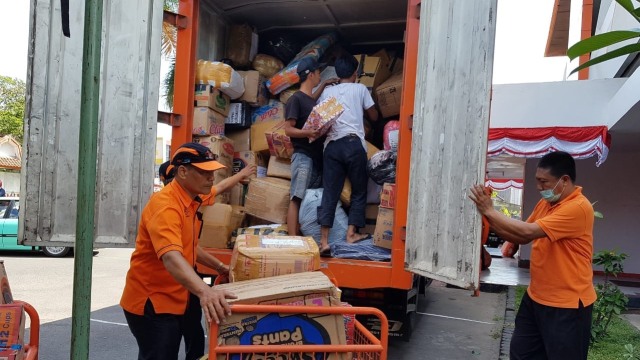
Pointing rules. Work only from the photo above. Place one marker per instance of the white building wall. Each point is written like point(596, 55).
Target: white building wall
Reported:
point(10, 182)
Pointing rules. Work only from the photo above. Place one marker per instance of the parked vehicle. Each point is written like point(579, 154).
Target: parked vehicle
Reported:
point(9, 208)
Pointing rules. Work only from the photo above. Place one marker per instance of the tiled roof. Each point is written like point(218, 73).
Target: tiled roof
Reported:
point(10, 163)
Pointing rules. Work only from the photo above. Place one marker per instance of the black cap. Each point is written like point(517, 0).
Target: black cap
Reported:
point(308, 65)
point(197, 155)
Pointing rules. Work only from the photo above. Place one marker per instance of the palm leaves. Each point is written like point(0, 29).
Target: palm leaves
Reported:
point(604, 40)
point(169, 41)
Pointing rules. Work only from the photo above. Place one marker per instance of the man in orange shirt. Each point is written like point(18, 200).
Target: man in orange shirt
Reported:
point(554, 318)
point(164, 297)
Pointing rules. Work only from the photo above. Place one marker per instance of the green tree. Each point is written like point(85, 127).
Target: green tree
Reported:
point(12, 99)
point(169, 41)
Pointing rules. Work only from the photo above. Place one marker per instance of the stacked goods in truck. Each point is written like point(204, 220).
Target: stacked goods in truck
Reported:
point(267, 65)
point(391, 135)
point(388, 196)
point(12, 334)
point(242, 45)
point(255, 92)
point(388, 96)
point(208, 96)
point(323, 116)
point(242, 159)
point(218, 222)
point(207, 122)
point(274, 111)
point(258, 139)
point(220, 76)
point(239, 117)
point(382, 167)
point(268, 199)
point(285, 95)
point(373, 70)
point(241, 139)
point(279, 143)
point(262, 256)
point(384, 224)
point(279, 167)
point(220, 146)
point(309, 289)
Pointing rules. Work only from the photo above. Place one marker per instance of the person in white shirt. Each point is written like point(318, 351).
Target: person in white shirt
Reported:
point(345, 153)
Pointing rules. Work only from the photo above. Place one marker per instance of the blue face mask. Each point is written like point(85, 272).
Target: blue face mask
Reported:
point(549, 195)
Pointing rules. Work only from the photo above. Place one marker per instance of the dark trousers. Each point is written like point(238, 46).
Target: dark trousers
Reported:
point(344, 158)
point(158, 335)
point(548, 333)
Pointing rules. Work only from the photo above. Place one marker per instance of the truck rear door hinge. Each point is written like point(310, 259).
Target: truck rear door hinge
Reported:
point(170, 119)
point(177, 20)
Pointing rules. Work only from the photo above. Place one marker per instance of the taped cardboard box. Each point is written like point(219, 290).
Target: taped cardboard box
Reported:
point(255, 92)
point(388, 196)
point(388, 96)
point(218, 222)
point(310, 289)
point(7, 297)
point(373, 70)
point(280, 168)
point(279, 143)
point(262, 256)
point(270, 112)
point(241, 139)
point(268, 199)
point(383, 235)
point(207, 122)
point(261, 229)
point(243, 158)
point(12, 334)
point(207, 95)
point(220, 146)
point(258, 138)
point(239, 117)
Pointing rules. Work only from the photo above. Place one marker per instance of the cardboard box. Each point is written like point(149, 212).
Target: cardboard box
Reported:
point(220, 146)
point(218, 176)
point(241, 139)
point(7, 297)
point(279, 143)
point(255, 92)
point(239, 117)
point(384, 228)
point(389, 95)
point(12, 334)
point(373, 70)
point(236, 195)
point(311, 289)
point(259, 229)
point(279, 167)
point(388, 196)
point(270, 112)
point(207, 122)
point(218, 222)
point(268, 199)
point(262, 256)
point(243, 158)
point(371, 217)
point(207, 95)
point(258, 138)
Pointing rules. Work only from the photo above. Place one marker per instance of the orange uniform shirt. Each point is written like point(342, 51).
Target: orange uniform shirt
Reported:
point(561, 272)
point(169, 222)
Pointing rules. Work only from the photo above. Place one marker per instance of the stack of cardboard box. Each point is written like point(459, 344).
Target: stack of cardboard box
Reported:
point(383, 234)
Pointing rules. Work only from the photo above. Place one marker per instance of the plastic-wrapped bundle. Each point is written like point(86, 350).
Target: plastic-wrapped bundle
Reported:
point(362, 250)
point(239, 45)
point(391, 134)
point(308, 218)
point(382, 167)
point(220, 76)
point(267, 65)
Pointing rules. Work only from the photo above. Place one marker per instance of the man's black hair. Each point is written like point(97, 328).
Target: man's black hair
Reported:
point(345, 66)
point(559, 163)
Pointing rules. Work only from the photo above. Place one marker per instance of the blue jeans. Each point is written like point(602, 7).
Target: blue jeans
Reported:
point(344, 158)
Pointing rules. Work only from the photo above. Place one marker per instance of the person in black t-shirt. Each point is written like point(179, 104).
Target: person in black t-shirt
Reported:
point(306, 162)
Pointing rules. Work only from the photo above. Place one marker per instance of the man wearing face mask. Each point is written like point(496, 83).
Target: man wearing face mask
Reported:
point(554, 318)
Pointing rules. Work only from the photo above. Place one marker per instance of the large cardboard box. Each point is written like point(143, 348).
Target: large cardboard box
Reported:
point(236, 195)
point(207, 95)
point(12, 334)
point(220, 146)
point(373, 70)
point(279, 167)
point(268, 199)
point(270, 112)
point(262, 256)
point(258, 138)
point(243, 158)
point(218, 222)
point(311, 289)
point(388, 196)
point(218, 176)
point(388, 96)
point(239, 117)
point(255, 92)
point(384, 228)
point(371, 217)
point(279, 143)
point(241, 139)
point(5, 290)
point(207, 122)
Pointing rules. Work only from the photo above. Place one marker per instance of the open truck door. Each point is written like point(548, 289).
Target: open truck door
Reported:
point(449, 139)
point(129, 85)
